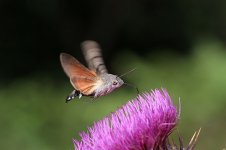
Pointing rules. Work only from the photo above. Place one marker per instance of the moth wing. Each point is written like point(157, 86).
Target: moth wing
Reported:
point(93, 56)
point(73, 68)
point(86, 86)
point(81, 77)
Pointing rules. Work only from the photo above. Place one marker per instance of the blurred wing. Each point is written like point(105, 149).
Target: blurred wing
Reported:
point(81, 77)
point(93, 56)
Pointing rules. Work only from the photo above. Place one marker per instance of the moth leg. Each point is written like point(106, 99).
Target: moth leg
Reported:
point(79, 95)
point(93, 97)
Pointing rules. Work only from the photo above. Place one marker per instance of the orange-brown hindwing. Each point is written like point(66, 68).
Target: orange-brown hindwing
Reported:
point(81, 77)
point(85, 85)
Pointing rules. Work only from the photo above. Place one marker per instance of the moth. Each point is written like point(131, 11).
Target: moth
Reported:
point(94, 81)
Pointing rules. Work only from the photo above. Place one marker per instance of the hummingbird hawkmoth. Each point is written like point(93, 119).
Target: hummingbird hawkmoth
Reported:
point(94, 81)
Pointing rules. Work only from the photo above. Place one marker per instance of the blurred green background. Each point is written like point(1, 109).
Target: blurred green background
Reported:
point(178, 45)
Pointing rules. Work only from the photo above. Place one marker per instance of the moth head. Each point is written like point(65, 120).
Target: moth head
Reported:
point(117, 82)
point(108, 83)
point(112, 80)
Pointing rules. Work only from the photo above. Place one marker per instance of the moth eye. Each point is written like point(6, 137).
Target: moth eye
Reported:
point(115, 83)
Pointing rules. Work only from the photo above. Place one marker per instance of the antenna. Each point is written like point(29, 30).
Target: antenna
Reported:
point(127, 72)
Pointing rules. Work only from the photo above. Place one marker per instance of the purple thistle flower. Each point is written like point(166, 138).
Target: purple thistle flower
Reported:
point(142, 124)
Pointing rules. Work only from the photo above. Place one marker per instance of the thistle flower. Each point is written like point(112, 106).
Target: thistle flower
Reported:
point(142, 124)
